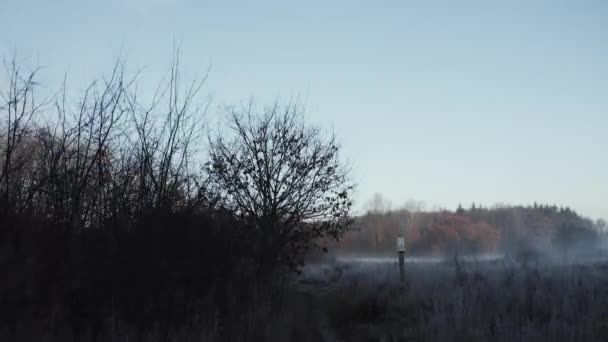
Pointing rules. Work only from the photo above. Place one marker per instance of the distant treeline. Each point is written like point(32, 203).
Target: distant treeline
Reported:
point(533, 228)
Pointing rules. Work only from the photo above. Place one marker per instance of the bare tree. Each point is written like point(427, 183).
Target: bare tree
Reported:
point(167, 132)
point(103, 155)
point(412, 209)
point(601, 225)
point(378, 204)
point(18, 108)
point(284, 177)
point(375, 221)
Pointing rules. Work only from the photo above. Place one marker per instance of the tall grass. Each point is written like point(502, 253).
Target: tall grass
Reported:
point(473, 302)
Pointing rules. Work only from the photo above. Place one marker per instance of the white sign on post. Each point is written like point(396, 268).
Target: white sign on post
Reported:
point(400, 244)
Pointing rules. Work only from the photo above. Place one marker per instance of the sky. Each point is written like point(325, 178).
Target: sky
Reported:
point(448, 102)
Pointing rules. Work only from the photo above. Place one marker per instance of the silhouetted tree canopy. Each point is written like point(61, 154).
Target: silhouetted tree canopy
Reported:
point(284, 176)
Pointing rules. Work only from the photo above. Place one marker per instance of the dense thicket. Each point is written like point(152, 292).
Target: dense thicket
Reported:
point(110, 218)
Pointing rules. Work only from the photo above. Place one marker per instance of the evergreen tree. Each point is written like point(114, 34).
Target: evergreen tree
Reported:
point(460, 209)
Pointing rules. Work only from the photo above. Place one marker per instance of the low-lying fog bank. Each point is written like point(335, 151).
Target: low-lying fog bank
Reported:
point(417, 259)
point(339, 268)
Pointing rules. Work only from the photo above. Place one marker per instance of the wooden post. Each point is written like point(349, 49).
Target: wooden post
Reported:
point(401, 250)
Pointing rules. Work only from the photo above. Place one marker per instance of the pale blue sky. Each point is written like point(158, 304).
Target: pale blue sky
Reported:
point(443, 101)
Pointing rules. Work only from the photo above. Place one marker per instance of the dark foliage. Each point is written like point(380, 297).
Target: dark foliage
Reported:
point(285, 178)
point(111, 228)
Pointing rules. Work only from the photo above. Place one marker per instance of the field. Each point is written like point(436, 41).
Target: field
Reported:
point(453, 300)
point(362, 299)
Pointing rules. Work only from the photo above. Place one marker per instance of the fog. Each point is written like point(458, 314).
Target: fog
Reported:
point(365, 267)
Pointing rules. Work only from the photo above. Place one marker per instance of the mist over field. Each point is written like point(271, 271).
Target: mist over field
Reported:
point(534, 272)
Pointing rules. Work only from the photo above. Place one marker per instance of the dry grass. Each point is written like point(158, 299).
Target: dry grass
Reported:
point(465, 302)
point(444, 302)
